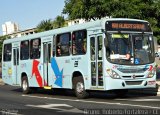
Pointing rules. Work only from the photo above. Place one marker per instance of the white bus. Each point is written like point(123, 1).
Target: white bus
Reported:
point(107, 54)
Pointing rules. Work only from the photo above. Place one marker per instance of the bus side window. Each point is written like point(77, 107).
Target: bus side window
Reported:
point(92, 48)
point(100, 50)
point(35, 48)
point(79, 42)
point(24, 53)
point(7, 53)
point(63, 44)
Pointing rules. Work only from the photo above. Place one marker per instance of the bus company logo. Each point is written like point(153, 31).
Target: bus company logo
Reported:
point(9, 71)
point(114, 67)
point(133, 76)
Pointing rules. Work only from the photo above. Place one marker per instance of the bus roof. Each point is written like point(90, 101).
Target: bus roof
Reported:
point(87, 25)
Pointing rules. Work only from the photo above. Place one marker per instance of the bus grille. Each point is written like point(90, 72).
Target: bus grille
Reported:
point(137, 76)
point(133, 82)
point(139, 70)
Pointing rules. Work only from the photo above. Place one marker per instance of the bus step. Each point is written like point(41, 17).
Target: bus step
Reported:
point(47, 87)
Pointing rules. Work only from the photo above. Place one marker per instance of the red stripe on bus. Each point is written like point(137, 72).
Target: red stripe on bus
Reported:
point(35, 71)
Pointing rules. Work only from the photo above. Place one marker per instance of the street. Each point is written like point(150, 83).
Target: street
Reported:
point(13, 102)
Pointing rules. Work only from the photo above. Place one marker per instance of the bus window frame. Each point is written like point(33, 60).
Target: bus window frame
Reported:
point(23, 49)
point(58, 45)
point(83, 45)
point(37, 49)
point(6, 54)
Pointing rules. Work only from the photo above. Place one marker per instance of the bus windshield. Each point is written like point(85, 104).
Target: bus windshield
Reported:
point(130, 49)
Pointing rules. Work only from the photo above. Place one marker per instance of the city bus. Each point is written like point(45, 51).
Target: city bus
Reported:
point(110, 54)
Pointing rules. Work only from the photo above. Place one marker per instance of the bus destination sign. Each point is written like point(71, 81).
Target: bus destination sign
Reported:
point(127, 26)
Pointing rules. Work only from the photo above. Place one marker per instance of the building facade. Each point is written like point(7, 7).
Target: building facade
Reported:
point(23, 33)
point(9, 28)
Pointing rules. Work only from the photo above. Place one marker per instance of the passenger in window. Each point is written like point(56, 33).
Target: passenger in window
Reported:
point(59, 51)
point(74, 49)
point(24, 50)
point(35, 43)
point(84, 47)
point(121, 47)
point(35, 53)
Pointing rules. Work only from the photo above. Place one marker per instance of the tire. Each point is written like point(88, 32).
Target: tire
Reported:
point(79, 88)
point(25, 86)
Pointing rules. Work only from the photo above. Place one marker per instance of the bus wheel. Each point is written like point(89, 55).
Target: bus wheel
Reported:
point(25, 86)
point(79, 88)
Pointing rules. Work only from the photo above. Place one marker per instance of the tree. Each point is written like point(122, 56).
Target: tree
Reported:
point(44, 25)
point(59, 22)
point(93, 9)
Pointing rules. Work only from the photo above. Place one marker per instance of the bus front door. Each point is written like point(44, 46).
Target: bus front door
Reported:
point(15, 65)
point(96, 48)
point(46, 61)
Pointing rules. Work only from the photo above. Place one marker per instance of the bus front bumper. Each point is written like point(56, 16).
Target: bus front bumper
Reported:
point(130, 84)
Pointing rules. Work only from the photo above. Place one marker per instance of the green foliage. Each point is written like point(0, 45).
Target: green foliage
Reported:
point(139, 9)
point(44, 25)
point(58, 22)
point(49, 24)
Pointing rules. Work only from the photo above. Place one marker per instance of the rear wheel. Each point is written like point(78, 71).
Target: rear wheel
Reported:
point(79, 88)
point(25, 86)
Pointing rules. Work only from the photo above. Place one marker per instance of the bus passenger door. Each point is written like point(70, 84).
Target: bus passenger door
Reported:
point(96, 51)
point(46, 61)
point(15, 65)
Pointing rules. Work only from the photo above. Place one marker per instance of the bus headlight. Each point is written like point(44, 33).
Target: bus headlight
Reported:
point(151, 73)
point(113, 74)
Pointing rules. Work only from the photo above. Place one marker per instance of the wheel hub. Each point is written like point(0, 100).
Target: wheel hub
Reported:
point(24, 85)
point(80, 87)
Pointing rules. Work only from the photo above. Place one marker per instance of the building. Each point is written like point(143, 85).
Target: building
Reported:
point(22, 33)
point(12, 29)
point(9, 28)
point(76, 21)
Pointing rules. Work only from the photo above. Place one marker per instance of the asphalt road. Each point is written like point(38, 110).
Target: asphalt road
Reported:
point(44, 102)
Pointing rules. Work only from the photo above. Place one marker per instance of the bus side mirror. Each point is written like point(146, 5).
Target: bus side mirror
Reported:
point(156, 54)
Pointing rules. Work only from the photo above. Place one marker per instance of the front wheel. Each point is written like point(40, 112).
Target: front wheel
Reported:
point(25, 86)
point(79, 88)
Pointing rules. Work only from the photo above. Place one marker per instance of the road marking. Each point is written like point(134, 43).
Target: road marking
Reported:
point(59, 107)
point(70, 100)
point(9, 112)
point(121, 104)
point(50, 106)
point(137, 99)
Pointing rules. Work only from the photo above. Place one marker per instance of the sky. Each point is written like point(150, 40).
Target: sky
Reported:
point(29, 13)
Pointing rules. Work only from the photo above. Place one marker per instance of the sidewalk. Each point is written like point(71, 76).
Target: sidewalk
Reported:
point(1, 82)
